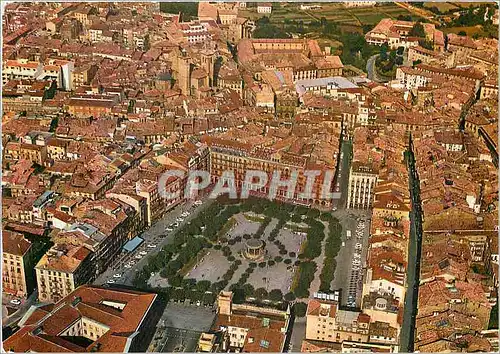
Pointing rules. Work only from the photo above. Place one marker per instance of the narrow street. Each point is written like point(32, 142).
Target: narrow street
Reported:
point(414, 255)
point(372, 71)
point(343, 177)
point(23, 308)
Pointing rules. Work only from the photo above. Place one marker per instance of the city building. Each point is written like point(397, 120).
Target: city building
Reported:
point(18, 262)
point(264, 7)
point(61, 270)
point(396, 33)
point(359, 3)
point(362, 180)
point(249, 328)
point(326, 322)
point(88, 319)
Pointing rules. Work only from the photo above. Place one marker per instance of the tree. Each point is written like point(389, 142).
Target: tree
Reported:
point(188, 9)
point(417, 31)
point(404, 18)
point(383, 51)
point(208, 298)
point(203, 285)
point(263, 21)
point(179, 294)
point(147, 44)
point(462, 33)
point(269, 31)
point(300, 309)
point(248, 290)
point(275, 295)
point(313, 213)
point(290, 296)
point(260, 293)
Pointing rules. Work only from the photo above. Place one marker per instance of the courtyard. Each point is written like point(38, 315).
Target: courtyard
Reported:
point(267, 270)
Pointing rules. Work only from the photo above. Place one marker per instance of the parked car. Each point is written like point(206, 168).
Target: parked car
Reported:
point(15, 302)
point(151, 245)
point(198, 202)
point(143, 253)
point(169, 229)
point(111, 281)
point(117, 275)
point(175, 224)
point(138, 256)
point(358, 246)
point(128, 266)
point(179, 219)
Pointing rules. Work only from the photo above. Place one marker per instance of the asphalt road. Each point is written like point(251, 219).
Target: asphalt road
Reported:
point(343, 176)
point(180, 327)
point(22, 308)
point(413, 270)
point(346, 276)
point(155, 235)
point(298, 334)
point(372, 72)
point(179, 340)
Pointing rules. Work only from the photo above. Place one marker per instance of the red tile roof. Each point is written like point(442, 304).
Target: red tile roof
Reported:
point(14, 243)
point(85, 302)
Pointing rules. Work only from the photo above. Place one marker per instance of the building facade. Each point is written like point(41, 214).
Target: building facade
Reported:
point(362, 180)
point(17, 277)
point(61, 270)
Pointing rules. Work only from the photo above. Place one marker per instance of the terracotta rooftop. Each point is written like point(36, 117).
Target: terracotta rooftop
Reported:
point(122, 311)
point(14, 243)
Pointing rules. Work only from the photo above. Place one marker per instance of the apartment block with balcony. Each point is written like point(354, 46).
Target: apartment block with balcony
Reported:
point(328, 323)
point(17, 267)
point(362, 180)
point(61, 270)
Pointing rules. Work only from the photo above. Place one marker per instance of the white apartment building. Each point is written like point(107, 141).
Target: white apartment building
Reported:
point(362, 180)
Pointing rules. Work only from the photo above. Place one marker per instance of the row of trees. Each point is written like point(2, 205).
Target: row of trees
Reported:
point(306, 275)
point(245, 292)
point(332, 248)
point(315, 236)
point(187, 243)
point(190, 240)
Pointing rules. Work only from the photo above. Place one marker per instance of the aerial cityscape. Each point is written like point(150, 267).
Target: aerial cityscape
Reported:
point(250, 177)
